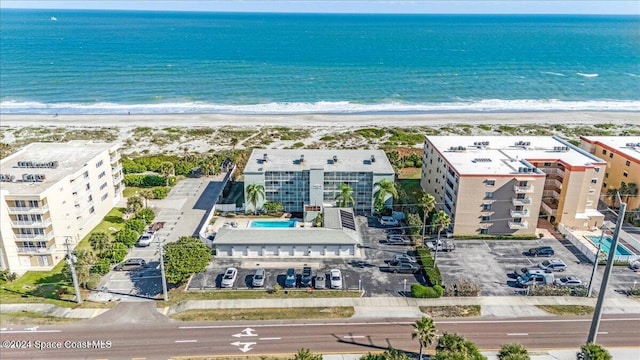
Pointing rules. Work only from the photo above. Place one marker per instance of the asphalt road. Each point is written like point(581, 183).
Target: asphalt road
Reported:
point(161, 339)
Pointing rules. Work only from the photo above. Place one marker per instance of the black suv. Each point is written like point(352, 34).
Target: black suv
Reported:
point(305, 280)
point(541, 251)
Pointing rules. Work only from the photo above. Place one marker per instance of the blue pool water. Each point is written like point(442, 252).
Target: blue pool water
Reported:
point(273, 224)
point(606, 245)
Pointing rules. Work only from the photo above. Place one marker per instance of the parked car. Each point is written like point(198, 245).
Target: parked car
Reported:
point(258, 278)
point(229, 278)
point(403, 267)
point(291, 278)
point(405, 258)
point(553, 265)
point(398, 240)
point(131, 264)
point(146, 239)
point(388, 221)
point(541, 251)
point(335, 277)
point(441, 245)
point(396, 231)
point(568, 281)
point(319, 281)
point(635, 265)
point(305, 279)
point(535, 277)
point(518, 272)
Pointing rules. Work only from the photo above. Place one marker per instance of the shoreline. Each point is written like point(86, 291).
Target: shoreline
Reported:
point(316, 120)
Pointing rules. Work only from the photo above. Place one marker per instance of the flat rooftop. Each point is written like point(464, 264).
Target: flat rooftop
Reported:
point(297, 236)
point(506, 155)
point(330, 160)
point(70, 157)
point(627, 145)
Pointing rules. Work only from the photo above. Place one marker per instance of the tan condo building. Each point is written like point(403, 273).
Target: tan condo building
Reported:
point(501, 185)
point(622, 154)
point(53, 193)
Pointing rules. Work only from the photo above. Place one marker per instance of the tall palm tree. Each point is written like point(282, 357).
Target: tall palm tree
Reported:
point(630, 190)
point(384, 188)
point(99, 241)
point(255, 193)
point(167, 169)
point(146, 194)
point(346, 195)
point(440, 221)
point(612, 194)
point(428, 204)
point(425, 331)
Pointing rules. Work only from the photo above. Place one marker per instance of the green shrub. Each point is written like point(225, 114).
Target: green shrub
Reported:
point(431, 272)
point(147, 215)
point(93, 282)
point(101, 267)
point(421, 291)
point(135, 224)
point(127, 237)
point(138, 180)
point(439, 290)
point(116, 254)
point(160, 192)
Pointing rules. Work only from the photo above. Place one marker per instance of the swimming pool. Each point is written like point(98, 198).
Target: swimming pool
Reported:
point(606, 245)
point(273, 224)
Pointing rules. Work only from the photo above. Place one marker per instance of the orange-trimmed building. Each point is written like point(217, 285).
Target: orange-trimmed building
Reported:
point(622, 154)
point(501, 185)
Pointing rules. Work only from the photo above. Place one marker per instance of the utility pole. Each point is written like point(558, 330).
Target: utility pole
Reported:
point(595, 263)
point(595, 323)
point(164, 279)
point(71, 260)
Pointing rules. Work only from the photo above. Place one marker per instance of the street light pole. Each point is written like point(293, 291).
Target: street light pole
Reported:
point(164, 279)
point(595, 323)
point(595, 263)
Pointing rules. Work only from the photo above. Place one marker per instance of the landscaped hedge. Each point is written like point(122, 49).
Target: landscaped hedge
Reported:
point(161, 192)
point(421, 291)
point(147, 215)
point(139, 180)
point(431, 272)
point(495, 237)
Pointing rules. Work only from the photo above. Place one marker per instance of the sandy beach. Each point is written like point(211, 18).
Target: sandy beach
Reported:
point(322, 120)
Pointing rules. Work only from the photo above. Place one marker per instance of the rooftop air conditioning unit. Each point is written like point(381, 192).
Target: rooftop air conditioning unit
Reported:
point(40, 177)
point(301, 158)
point(373, 158)
point(335, 158)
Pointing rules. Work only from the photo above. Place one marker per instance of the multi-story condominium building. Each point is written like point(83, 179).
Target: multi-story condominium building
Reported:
point(52, 194)
point(622, 154)
point(308, 180)
point(500, 185)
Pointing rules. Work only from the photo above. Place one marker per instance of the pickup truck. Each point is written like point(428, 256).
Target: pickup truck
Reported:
point(396, 266)
point(441, 245)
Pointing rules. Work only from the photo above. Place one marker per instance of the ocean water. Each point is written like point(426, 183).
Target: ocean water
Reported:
point(182, 62)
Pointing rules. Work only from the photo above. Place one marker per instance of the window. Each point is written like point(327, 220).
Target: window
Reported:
point(547, 164)
point(604, 185)
point(484, 231)
point(88, 187)
point(611, 155)
point(606, 175)
point(86, 174)
point(488, 195)
point(604, 152)
point(517, 220)
point(490, 182)
point(104, 185)
point(625, 174)
point(589, 203)
point(102, 174)
point(594, 181)
point(104, 197)
point(627, 163)
point(99, 163)
point(486, 218)
point(92, 210)
point(486, 206)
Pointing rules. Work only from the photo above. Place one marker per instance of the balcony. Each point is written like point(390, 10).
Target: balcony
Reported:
point(451, 178)
point(550, 207)
point(115, 157)
point(520, 213)
point(553, 183)
point(553, 171)
point(36, 250)
point(523, 189)
point(449, 189)
point(521, 202)
point(518, 225)
point(29, 209)
point(31, 224)
point(35, 237)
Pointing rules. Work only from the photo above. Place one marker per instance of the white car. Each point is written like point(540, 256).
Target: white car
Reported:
point(229, 278)
point(388, 221)
point(146, 239)
point(635, 265)
point(568, 281)
point(552, 265)
point(404, 258)
point(336, 279)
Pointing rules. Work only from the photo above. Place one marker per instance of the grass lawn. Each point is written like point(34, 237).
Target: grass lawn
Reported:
point(111, 224)
point(451, 311)
point(265, 314)
point(410, 173)
point(31, 318)
point(567, 309)
point(178, 295)
point(130, 191)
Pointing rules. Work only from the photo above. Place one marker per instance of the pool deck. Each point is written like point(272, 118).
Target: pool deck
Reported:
point(626, 239)
point(245, 222)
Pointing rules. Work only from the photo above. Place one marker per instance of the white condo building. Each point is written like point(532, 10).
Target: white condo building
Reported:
point(52, 193)
point(308, 180)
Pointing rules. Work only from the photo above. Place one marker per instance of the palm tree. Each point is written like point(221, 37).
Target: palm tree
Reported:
point(513, 352)
point(425, 331)
point(346, 195)
point(613, 195)
point(255, 193)
point(134, 204)
point(99, 241)
point(167, 169)
point(146, 194)
point(428, 204)
point(384, 188)
point(631, 190)
point(440, 221)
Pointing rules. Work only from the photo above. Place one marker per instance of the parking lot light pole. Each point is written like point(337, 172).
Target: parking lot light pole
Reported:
point(595, 323)
point(595, 263)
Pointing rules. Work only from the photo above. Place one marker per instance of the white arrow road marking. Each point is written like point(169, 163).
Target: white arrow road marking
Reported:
point(186, 341)
point(271, 338)
point(243, 346)
point(245, 332)
point(354, 336)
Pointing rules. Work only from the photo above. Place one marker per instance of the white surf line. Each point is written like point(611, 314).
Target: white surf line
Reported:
point(518, 334)
point(186, 341)
point(520, 321)
point(354, 336)
point(270, 338)
point(28, 331)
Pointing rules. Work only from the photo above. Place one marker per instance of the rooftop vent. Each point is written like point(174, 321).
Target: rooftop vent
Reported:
point(522, 143)
point(481, 160)
point(301, 158)
point(335, 158)
point(265, 157)
point(458, 148)
point(373, 158)
point(7, 178)
point(38, 165)
point(631, 145)
point(560, 148)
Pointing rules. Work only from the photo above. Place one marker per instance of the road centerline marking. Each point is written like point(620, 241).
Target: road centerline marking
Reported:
point(517, 334)
point(270, 338)
point(186, 341)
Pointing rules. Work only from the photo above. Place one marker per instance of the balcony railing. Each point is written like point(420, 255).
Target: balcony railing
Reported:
point(38, 237)
point(549, 210)
point(517, 202)
point(520, 213)
point(523, 189)
point(451, 178)
point(553, 182)
point(115, 158)
point(36, 250)
point(29, 209)
point(518, 225)
point(36, 223)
